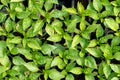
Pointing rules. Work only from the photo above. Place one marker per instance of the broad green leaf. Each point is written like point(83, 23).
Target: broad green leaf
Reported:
point(80, 7)
point(57, 61)
point(15, 40)
point(117, 56)
point(56, 23)
point(115, 68)
point(58, 48)
point(115, 78)
point(99, 31)
point(89, 77)
point(96, 52)
point(2, 69)
point(106, 49)
point(40, 59)
point(76, 70)
point(80, 61)
point(49, 29)
point(38, 26)
point(25, 52)
point(54, 38)
point(13, 72)
point(55, 75)
point(53, 1)
point(107, 70)
point(34, 43)
point(105, 38)
point(17, 60)
point(71, 10)
point(31, 66)
point(34, 76)
point(8, 25)
point(92, 43)
point(112, 24)
point(5, 61)
point(97, 5)
point(48, 5)
point(70, 66)
point(69, 77)
point(2, 16)
point(76, 40)
point(72, 54)
point(24, 14)
point(116, 11)
point(47, 48)
point(72, 25)
point(16, 0)
point(26, 23)
point(90, 62)
point(115, 41)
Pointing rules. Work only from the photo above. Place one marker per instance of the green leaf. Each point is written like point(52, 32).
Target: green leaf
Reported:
point(89, 77)
point(72, 25)
point(47, 48)
point(106, 49)
point(76, 40)
point(8, 25)
point(76, 70)
point(16, 0)
point(116, 11)
point(55, 75)
point(2, 69)
point(57, 61)
point(53, 1)
point(26, 23)
point(107, 70)
point(70, 66)
point(69, 77)
point(71, 10)
point(115, 68)
point(34, 43)
point(15, 40)
point(48, 5)
point(49, 29)
point(105, 38)
point(80, 61)
point(97, 5)
point(112, 24)
point(54, 38)
point(80, 7)
point(18, 60)
point(92, 43)
point(38, 26)
point(115, 41)
point(2, 16)
point(96, 52)
point(31, 66)
point(117, 56)
point(90, 62)
point(58, 48)
point(34, 76)
point(72, 54)
point(99, 31)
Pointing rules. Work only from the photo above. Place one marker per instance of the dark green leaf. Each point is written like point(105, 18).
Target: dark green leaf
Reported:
point(115, 41)
point(2, 16)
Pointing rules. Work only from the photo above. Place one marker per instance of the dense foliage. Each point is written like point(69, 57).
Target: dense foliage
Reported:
point(39, 42)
